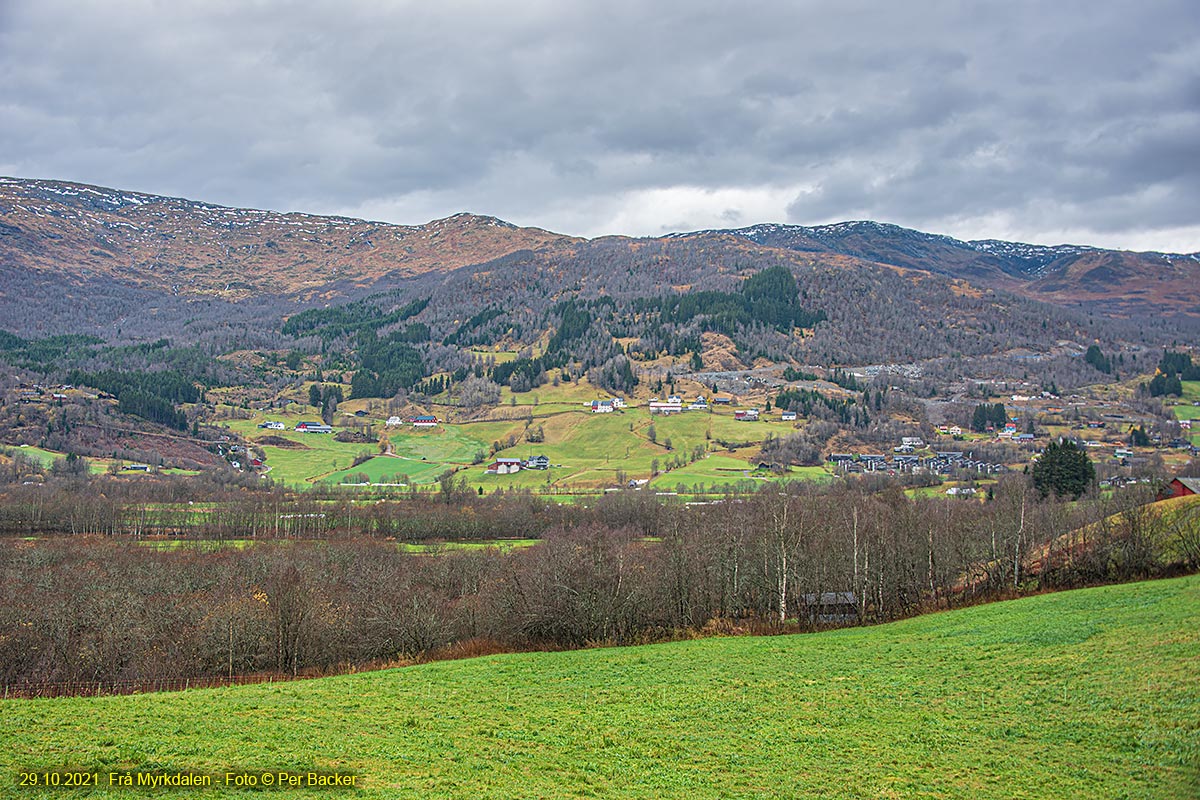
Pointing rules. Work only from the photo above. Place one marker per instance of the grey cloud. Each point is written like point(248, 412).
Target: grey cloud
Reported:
point(1074, 114)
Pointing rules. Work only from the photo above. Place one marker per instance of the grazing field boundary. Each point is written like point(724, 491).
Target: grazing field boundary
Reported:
point(1084, 693)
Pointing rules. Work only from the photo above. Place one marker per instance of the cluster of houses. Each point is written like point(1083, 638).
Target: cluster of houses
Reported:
point(507, 466)
point(607, 406)
point(674, 404)
point(425, 421)
point(37, 393)
point(313, 427)
point(945, 463)
point(1007, 433)
point(417, 421)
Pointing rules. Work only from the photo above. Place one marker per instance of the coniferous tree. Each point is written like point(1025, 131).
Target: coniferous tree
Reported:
point(1097, 359)
point(1064, 470)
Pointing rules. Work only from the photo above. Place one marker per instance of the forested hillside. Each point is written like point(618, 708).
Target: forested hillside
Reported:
point(177, 311)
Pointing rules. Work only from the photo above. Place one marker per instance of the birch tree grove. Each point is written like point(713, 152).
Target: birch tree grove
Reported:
point(334, 588)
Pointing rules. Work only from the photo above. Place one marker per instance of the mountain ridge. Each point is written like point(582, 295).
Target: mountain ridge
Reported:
point(1024, 250)
point(82, 232)
point(183, 245)
point(1119, 282)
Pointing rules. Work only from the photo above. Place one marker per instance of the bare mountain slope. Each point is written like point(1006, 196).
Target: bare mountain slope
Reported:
point(85, 232)
point(58, 237)
point(1117, 283)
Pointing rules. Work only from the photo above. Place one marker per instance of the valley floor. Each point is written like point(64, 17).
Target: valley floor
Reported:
point(1076, 694)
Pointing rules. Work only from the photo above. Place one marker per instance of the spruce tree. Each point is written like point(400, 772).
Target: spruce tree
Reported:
point(1064, 470)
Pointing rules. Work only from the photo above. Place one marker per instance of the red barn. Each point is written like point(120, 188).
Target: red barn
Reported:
point(1182, 487)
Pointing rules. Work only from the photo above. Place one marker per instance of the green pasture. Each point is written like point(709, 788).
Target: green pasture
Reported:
point(1091, 693)
point(424, 455)
point(454, 443)
point(433, 548)
point(581, 443)
point(319, 457)
point(196, 544)
point(809, 474)
point(1186, 411)
point(587, 450)
point(95, 465)
point(500, 356)
point(981, 488)
point(566, 393)
point(390, 469)
point(718, 471)
point(594, 448)
point(43, 457)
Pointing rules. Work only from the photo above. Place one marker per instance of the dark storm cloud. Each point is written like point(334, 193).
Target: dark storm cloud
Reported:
point(1018, 119)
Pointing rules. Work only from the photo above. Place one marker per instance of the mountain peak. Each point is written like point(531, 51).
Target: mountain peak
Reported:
point(193, 247)
point(90, 233)
point(1118, 281)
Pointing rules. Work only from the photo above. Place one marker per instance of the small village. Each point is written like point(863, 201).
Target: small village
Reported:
point(1127, 446)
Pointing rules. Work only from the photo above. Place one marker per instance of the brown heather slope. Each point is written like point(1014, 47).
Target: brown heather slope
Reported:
point(1115, 283)
point(1122, 283)
point(86, 232)
point(87, 236)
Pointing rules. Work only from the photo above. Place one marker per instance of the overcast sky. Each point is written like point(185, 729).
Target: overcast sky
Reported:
point(1035, 121)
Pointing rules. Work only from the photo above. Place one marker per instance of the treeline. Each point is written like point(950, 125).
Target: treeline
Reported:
point(1095, 356)
point(1180, 365)
point(986, 415)
point(1173, 369)
point(149, 395)
point(64, 353)
point(149, 380)
point(793, 374)
point(518, 299)
point(173, 386)
point(46, 354)
point(523, 374)
point(809, 401)
point(579, 345)
point(628, 570)
point(352, 318)
point(459, 335)
point(769, 297)
point(575, 318)
point(913, 317)
point(107, 506)
point(846, 380)
point(386, 365)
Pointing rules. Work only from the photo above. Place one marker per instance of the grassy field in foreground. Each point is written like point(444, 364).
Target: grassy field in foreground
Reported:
point(1091, 693)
